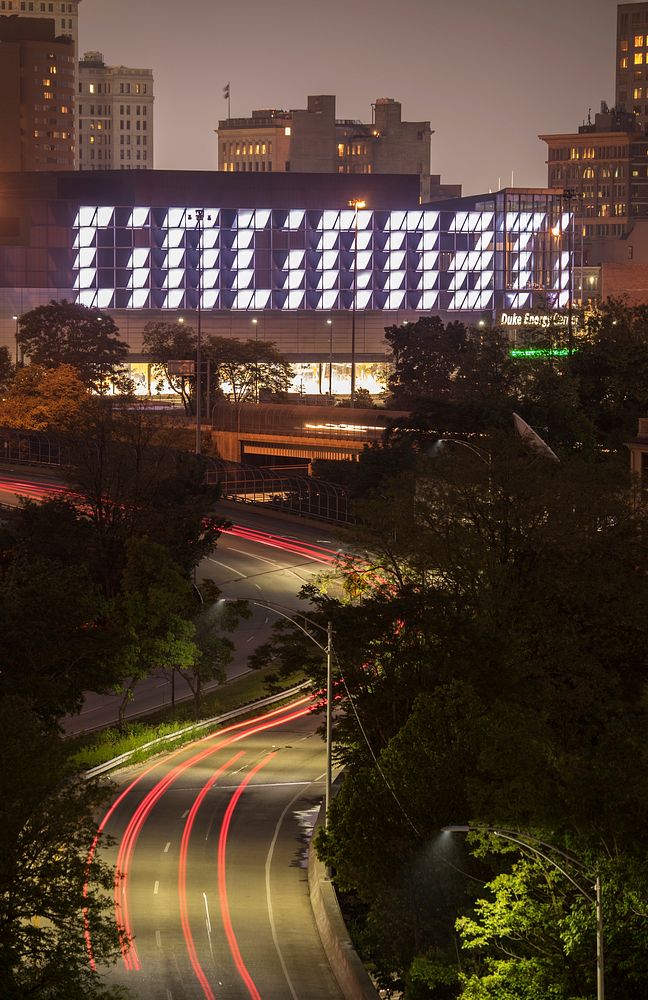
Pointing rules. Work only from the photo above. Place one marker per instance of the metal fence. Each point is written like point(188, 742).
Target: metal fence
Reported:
point(288, 492)
point(32, 449)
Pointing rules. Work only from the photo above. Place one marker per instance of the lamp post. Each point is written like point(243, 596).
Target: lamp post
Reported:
point(356, 204)
point(522, 840)
point(327, 649)
point(200, 217)
point(255, 324)
point(484, 456)
point(15, 319)
point(330, 366)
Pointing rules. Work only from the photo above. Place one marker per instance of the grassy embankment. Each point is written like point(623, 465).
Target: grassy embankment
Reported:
point(90, 750)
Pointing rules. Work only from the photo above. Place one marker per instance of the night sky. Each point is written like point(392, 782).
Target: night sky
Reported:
point(488, 74)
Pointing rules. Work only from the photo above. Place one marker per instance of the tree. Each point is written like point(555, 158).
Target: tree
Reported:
point(6, 368)
point(166, 343)
point(151, 617)
point(49, 896)
point(215, 649)
point(246, 368)
point(130, 481)
point(611, 367)
point(69, 333)
point(52, 643)
point(494, 649)
point(45, 399)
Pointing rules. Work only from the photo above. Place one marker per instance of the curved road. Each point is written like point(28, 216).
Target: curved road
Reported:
point(211, 841)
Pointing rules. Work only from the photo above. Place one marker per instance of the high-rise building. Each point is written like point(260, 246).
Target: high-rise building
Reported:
point(37, 83)
point(632, 60)
point(65, 16)
point(605, 166)
point(115, 110)
point(315, 141)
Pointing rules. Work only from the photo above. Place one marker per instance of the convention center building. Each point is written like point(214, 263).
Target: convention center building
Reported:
point(309, 262)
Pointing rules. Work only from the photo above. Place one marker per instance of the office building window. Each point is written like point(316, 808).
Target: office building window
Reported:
point(638, 58)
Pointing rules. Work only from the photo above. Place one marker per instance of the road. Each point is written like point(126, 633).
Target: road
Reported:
point(264, 556)
point(212, 841)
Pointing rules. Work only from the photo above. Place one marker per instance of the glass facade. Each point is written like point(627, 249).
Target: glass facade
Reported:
point(508, 250)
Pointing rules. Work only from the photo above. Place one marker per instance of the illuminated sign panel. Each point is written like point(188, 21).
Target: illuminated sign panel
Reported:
point(534, 320)
point(428, 259)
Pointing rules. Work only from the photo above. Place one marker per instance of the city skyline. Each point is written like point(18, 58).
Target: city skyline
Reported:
point(489, 78)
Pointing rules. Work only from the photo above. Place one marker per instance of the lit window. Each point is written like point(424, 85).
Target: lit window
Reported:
point(91, 88)
point(638, 41)
point(340, 149)
point(263, 148)
point(623, 62)
point(287, 130)
point(638, 58)
point(637, 93)
point(624, 45)
point(257, 148)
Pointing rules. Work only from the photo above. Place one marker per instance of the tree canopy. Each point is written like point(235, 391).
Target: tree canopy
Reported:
point(493, 649)
point(45, 399)
point(166, 343)
point(67, 333)
point(49, 896)
point(246, 368)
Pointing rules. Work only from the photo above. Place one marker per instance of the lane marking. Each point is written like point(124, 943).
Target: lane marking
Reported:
point(158, 939)
point(166, 849)
point(231, 569)
point(222, 880)
point(156, 888)
point(268, 865)
point(185, 814)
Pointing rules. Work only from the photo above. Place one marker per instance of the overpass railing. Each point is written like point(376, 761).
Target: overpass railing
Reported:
point(294, 494)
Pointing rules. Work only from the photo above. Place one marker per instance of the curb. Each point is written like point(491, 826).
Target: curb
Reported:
point(346, 965)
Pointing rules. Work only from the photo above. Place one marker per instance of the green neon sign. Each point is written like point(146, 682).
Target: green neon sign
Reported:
point(539, 352)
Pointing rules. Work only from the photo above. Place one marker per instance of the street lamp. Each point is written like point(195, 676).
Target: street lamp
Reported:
point(484, 456)
point(329, 323)
point(15, 319)
point(356, 204)
point(522, 840)
point(255, 324)
point(328, 651)
point(200, 218)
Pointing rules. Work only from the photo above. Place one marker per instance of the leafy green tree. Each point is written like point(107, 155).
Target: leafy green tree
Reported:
point(611, 367)
point(151, 617)
point(166, 343)
point(247, 368)
point(524, 580)
point(45, 399)
point(49, 896)
point(215, 649)
point(67, 333)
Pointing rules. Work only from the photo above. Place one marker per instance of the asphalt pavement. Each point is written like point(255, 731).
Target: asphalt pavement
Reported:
point(212, 842)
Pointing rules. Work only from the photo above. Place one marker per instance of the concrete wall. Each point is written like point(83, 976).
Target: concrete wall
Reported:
point(352, 977)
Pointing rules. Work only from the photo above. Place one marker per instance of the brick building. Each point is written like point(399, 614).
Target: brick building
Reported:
point(37, 83)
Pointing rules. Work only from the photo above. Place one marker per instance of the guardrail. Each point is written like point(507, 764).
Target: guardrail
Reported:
point(123, 758)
